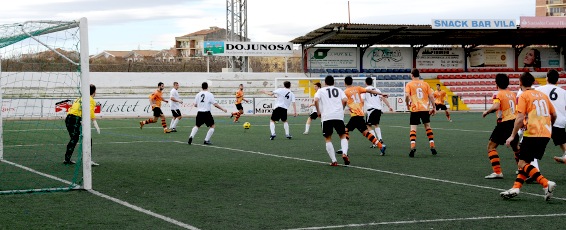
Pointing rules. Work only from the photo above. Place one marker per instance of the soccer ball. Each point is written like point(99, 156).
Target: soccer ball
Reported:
point(247, 125)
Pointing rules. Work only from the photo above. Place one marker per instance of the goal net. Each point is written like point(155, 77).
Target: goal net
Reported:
point(44, 68)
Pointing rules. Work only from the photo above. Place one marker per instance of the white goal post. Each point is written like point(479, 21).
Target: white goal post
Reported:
point(42, 62)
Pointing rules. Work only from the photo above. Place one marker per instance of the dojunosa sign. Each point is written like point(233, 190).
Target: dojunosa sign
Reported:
point(227, 48)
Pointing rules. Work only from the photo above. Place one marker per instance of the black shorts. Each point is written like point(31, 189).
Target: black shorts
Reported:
point(239, 107)
point(279, 114)
point(313, 115)
point(176, 113)
point(416, 117)
point(73, 124)
point(204, 118)
point(157, 112)
point(558, 135)
point(502, 131)
point(357, 122)
point(533, 147)
point(374, 116)
point(330, 125)
point(440, 107)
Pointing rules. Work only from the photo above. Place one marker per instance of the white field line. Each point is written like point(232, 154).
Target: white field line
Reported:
point(121, 202)
point(463, 130)
point(37, 172)
point(64, 144)
point(432, 221)
point(145, 211)
point(232, 124)
point(180, 224)
point(399, 174)
point(351, 166)
point(370, 169)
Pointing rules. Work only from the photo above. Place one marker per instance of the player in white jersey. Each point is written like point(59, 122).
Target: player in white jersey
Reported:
point(374, 109)
point(284, 99)
point(557, 97)
point(203, 101)
point(313, 115)
point(175, 106)
point(330, 101)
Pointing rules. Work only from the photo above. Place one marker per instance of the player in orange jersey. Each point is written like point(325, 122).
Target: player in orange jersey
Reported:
point(155, 100)
point(239, 107)
point(357, 116)
point(420, 101)
point(439, 98)
point(504, 105)
point(537, 114)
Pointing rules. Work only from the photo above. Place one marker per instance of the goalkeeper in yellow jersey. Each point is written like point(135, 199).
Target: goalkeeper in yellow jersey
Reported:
point(73, 123)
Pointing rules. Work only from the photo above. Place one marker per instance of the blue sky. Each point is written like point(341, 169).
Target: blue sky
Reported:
point(143, 24)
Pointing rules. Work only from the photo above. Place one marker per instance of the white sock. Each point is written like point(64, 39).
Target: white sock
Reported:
point(209, 134)
point(535, 163)
point(194, 132)
point(307, 127)
point(372, 132)
point(344, 145)
point(272, 127)
point(330, 151)
point(378, 132)
point(286, 127)
point(172, 123)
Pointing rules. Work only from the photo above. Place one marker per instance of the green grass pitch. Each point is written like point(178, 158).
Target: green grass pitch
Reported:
point(246, 181)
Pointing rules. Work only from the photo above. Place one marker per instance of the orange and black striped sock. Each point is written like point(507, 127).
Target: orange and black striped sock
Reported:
point(163, 123)
point(494, 159)
point(238, 114)
point(520, 180)
point(148, 121)
point(448, 115)
point(535, 174)
point(430, 138)
point(413, 137)
point(372, 138)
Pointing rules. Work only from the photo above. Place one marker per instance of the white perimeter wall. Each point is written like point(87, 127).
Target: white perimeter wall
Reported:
point(126, 94)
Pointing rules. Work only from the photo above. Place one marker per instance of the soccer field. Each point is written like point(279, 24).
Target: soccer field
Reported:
point(151, 180)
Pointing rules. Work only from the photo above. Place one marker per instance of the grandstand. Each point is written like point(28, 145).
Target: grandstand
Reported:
point(443, 56)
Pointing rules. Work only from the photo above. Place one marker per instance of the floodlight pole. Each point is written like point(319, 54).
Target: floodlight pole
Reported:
point(237, 30)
